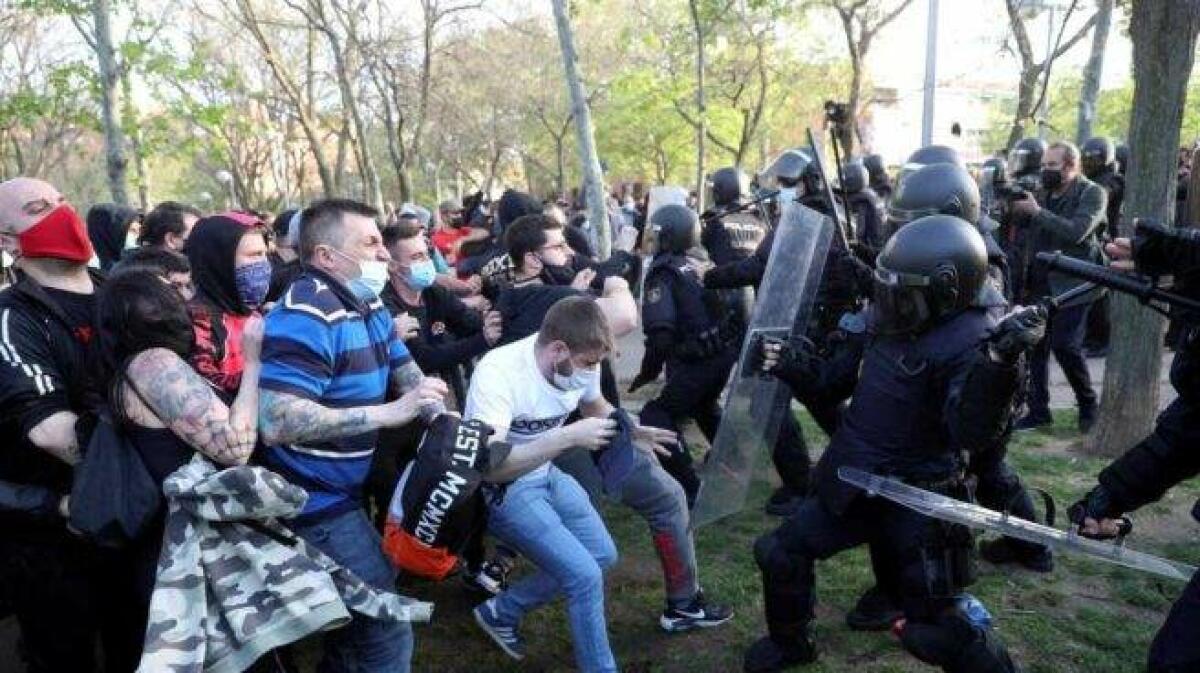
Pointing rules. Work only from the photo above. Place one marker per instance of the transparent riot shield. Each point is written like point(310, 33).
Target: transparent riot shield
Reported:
point(968, 514)
point(756, 403)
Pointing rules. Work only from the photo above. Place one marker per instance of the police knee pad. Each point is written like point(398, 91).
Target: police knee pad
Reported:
point(772, 559)
point(951, 642)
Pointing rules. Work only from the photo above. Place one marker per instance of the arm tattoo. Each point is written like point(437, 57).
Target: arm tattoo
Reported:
point(287, 419)
point(187, 405)
point(409, 376)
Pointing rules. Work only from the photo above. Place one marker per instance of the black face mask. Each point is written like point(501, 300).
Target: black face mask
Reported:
point(557, 274)
point(1051, 179)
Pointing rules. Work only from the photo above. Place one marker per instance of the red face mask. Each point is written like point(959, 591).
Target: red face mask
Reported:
point(60, 235)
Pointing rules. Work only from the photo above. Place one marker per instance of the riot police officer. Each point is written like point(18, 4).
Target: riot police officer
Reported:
point(690, 331)
point(879, 179)
point(937, 381)
point(789, 169)
point(731, 233)
point(866, 208)
point(1168, 456)
point(945, 189)
point(1098, 159)
point(1025, 163)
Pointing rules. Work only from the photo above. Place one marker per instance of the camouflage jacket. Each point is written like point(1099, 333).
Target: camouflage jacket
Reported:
point(233, 583)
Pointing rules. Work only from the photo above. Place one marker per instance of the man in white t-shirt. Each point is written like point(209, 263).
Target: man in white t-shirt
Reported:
point(525, 391)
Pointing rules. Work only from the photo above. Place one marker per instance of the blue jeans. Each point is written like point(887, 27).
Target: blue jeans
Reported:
point(364, 645)
point(551, 521)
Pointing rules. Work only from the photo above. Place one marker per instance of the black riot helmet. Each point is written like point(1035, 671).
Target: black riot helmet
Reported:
point(729, 185)
point(875, 169)
point(929, 271)
point(854, 177)
point(1096, 156)
point(930, 154)
point(993, 172)
point(936, 189)
point(678, 228)
point(935, 154)
point(1122, 156)
point(1026, 156)
point(790, 166)
point(811, 178)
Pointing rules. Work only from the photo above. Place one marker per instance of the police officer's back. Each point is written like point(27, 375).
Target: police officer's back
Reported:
point(731, 233)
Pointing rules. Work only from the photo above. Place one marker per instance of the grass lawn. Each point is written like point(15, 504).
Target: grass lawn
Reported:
point(1085, 616)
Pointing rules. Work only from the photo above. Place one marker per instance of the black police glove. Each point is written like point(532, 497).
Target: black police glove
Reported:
point(1017, 333)
point(1099, 504)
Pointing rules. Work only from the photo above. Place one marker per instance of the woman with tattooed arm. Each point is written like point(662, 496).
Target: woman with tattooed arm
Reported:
point(167, 410)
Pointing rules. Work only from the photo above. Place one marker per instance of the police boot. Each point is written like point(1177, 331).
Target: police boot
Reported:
point(952, 642)
point(787, 645)
point(874, 611)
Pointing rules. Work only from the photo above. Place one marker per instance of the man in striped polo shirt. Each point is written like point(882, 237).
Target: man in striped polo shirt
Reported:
point(330, 355)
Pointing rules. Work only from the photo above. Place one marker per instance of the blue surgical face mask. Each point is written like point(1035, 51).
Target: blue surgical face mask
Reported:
point(253, 281)
point(131, 240)
point(422, 274)
point(372, 277)
point(577, 378)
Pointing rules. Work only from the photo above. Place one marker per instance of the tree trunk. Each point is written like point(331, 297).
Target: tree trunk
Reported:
point(701, 110)
point(1164, 48)
point(1026, 90)
point(342, 53)
point(846, 132)
point(114, 139)
point(305, 111)
point(592, 179)
point(1090, 91)
point(560, 155)
point(134, 128)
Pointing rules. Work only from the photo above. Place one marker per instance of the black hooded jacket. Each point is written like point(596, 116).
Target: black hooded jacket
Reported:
point(107, 225)
point(211, 249)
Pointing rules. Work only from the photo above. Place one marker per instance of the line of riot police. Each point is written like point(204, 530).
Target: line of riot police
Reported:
point(896, 335)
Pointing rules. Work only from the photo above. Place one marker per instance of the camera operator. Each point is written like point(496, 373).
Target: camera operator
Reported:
point(1066, 216)
point(1168, 456)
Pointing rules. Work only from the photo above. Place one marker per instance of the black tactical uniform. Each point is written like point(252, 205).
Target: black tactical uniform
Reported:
point(937, 381)
point(949, 190)
point(1168, 456)
point(866, 208)
point(880, 181)
point(690, 331)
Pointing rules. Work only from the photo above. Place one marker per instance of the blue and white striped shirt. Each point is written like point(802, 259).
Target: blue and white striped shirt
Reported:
point(323, 344)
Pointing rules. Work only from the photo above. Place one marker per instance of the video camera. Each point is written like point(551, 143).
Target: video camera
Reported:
point(836, 113)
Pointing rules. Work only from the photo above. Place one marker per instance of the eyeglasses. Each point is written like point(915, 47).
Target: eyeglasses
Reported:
point(556, 246)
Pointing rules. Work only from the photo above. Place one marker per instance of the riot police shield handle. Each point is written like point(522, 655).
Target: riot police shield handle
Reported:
point(1098, 505)
point(1137, 285)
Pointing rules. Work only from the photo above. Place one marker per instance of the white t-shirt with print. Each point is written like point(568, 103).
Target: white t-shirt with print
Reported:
point(508, 390)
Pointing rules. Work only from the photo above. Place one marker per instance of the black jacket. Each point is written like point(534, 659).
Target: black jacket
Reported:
point(451, 333)
point(44, 369)
point(1069, 223)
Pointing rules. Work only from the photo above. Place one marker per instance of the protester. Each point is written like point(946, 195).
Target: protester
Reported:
point(448, 336)
point(170, 266)
point(1067, 219)
point(61, 588)
point(168, 226)
point(329, 351)
point(228, 254)
point(285, 263)
point(525, 391)
point(113, 230)
point(167, 411)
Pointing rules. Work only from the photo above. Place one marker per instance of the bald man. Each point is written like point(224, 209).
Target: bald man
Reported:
point(56, 583)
